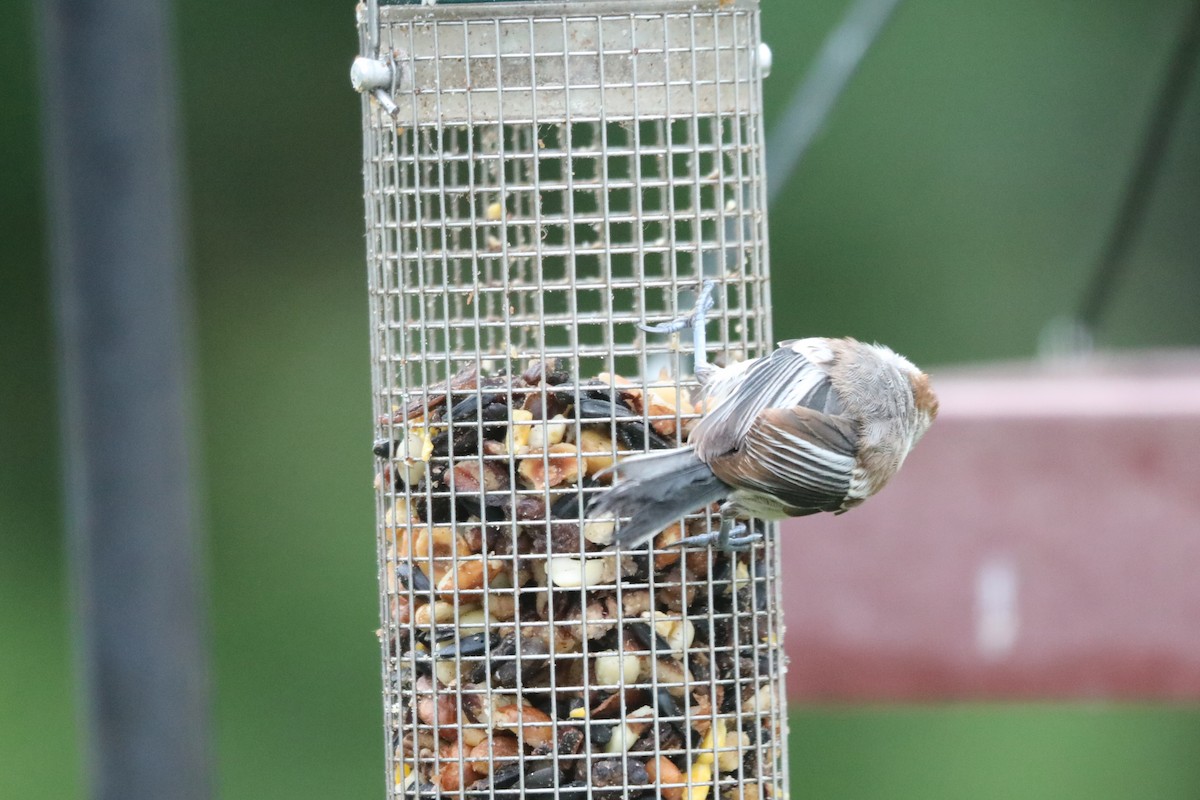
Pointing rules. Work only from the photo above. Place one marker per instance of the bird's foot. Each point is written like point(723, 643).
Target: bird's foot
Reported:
point(693, 319)
point(728, 537)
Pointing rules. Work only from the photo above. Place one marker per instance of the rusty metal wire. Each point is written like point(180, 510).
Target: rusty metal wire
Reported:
point(553, 175)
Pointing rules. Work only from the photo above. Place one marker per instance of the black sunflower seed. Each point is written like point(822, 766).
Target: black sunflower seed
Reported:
point(413, 578)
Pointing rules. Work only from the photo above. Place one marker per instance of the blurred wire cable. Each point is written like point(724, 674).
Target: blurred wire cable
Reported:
point(815, 96)
point(1139, 188)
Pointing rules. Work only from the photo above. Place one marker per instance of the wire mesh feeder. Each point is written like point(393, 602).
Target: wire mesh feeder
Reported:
point(540, 178)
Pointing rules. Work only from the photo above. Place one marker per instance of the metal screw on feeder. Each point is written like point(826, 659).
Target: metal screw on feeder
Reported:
point(540, 180)
point(377, 77)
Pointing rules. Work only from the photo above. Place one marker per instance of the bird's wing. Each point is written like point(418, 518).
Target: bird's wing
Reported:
point(793, 375)
point(800, 456)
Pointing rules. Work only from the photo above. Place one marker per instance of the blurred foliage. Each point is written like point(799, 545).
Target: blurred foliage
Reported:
point(954, 203)
point(995, 753)
point(963, 188)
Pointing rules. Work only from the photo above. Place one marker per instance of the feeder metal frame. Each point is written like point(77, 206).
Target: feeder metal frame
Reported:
point(542, 178)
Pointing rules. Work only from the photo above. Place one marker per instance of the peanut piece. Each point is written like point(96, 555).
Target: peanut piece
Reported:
point(504, 747)
point(536, 728)
point(667, 777)
point(468, 578)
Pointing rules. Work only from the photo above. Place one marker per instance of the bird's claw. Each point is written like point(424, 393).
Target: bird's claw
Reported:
point(727, 538)
point(672, 326)
point(704, 304)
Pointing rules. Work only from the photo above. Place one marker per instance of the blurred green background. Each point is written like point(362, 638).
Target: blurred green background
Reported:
point(953, 205)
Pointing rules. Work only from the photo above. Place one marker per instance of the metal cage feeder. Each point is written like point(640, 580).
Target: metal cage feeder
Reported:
point(540, 178)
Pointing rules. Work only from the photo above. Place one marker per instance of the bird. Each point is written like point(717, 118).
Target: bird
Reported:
point(819, 425)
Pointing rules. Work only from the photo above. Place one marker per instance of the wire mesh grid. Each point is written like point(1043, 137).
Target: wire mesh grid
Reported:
point(554, 175)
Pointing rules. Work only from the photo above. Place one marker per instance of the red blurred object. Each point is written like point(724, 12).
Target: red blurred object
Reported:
point(1042, 541)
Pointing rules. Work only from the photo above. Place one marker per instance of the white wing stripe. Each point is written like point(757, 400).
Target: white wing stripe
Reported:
point(821, 467)
point(805, 471)
point(834, 460)
point(806, 451)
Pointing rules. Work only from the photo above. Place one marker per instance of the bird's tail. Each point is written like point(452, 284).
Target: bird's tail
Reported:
point(656, 489)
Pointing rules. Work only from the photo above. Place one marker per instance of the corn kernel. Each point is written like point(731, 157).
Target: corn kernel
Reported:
point(706, 747)
point(700, 776)
point(517, 440)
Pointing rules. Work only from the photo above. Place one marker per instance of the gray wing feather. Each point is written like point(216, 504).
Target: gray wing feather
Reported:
point(655, 490)
point(784, 379)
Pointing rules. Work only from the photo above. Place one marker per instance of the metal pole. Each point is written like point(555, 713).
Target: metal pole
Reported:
point(123, 318)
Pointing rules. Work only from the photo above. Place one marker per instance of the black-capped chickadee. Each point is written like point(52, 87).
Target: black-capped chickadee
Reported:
point(818, 425)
